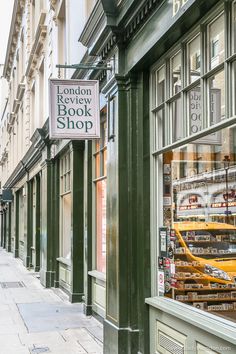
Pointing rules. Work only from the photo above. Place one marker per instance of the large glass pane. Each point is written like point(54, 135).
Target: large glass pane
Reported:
point(101, 225)
point(159, 130)
point(194, 60)
point(175, 67)
point(160, 86)
point(65, 244)
point(216, 97)
point(197, 237)
point(216, 42)
point(234, 27)
point(100, 197)
point(177, 120)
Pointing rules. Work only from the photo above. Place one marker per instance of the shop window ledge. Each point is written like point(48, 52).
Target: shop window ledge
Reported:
point(97, 275)
point(64, 261)
point(218, 326)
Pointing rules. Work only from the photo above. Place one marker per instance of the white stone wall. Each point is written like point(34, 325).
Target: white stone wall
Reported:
point(43, 34)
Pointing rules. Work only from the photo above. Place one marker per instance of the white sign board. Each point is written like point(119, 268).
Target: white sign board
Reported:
point(74, 109)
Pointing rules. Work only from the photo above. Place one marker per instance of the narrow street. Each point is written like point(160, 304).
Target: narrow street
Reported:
point(36, 320)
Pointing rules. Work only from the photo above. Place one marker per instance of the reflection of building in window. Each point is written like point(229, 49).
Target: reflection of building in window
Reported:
point(216, 44)
point(100, 188)
point(183, 163)
point(214, 47)
point(196, 61)
point(176, 73)
point(65, 206)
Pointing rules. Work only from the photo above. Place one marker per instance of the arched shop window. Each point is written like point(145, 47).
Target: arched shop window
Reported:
point(194, 167)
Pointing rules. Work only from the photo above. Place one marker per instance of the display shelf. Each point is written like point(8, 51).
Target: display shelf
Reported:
point(187, 278)
point(203, 241)
point(209, 300)
point(214, 311)
point(213, 254)
point(204, 289)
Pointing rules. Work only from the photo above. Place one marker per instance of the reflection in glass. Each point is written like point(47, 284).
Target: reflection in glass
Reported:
point(195, 117)
point(101, 225)
point(194, 60)
point(176, 73)
point(177, 120)
point(160, 86)
point(216, 97)
point(160, 131)
point(216, 42)
point(200, 209)
point(234, 27)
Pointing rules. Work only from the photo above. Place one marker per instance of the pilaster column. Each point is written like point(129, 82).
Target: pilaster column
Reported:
point(88, 244)
point(16, 216)
point(49, 239)
point(8, 229)
point(128, 262)
point(28, 234)
point(37, 221)
point(77, 244)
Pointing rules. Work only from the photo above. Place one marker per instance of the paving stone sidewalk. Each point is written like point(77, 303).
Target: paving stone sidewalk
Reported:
point(35, 320)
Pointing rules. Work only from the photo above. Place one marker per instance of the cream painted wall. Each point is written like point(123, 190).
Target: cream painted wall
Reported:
point(39, 43)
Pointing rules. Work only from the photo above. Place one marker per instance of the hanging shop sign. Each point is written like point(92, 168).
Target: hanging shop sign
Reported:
point(74, 109)
point(7, 195)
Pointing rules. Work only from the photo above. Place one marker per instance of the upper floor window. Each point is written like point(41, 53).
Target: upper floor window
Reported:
point(62, 49)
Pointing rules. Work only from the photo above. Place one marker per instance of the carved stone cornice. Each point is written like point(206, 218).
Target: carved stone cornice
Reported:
point(40, 35)
point(136, 22)
point(105, 29)
point(13, 37)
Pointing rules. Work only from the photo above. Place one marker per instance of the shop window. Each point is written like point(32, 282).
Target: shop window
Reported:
point(160, 129)
point(188, 109)
point(194, 59)
point(177, 120)
point(216, 97)
point(197, 250)
point(193, 181)
point(160, 86)
point(234, 26)
point(175, 66)
point(100, 156)
point(216, 42)
point(65, 206)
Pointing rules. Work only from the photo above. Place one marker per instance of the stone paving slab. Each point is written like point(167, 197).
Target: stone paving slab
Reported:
point(35, 320)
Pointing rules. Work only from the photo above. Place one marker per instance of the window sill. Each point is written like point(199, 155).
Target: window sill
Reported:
point(97, 275)
point(64, 261)
point(216, 325)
